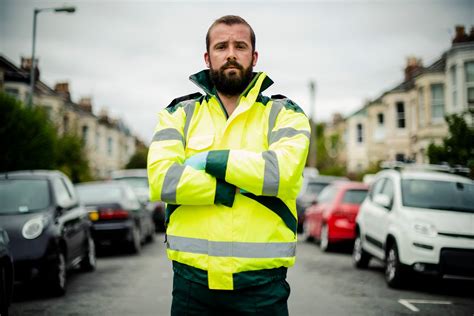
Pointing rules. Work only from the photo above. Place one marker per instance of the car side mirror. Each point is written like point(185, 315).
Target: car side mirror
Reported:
point(383, 200)
point(314, 202)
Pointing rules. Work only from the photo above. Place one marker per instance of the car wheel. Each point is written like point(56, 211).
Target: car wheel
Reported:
point(4, 296)
point(135, 243)
point(56, 277)
point(89, 261)
point(151, 233)
point(324, 239)
point(307, 232)
point(360, 257)
point(395, 272)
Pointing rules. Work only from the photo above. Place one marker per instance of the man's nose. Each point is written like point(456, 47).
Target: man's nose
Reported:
point(231, 54)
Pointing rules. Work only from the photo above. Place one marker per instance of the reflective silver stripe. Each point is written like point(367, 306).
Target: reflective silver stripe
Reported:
point(232, 249)
point(170, 184)
point(168, 134)
point(274, 111)
point(271, 176)
point(286, 132)
point(189, 110)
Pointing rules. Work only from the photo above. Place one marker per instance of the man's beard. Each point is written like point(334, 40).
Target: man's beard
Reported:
point(234, 82)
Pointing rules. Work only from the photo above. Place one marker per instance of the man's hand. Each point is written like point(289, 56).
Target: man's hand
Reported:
point(198, 161)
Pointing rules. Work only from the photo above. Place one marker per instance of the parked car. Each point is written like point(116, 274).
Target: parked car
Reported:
point(138, 180)
point(49, 229)
point(332, 219)
point(6, 273)
point(311, 187)
point(417, 220)
point(116, 214)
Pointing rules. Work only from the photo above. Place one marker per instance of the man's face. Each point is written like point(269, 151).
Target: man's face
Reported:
point(230, 58)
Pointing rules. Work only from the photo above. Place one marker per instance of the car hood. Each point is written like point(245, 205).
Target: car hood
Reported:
point(21, 248)
point(447, 222)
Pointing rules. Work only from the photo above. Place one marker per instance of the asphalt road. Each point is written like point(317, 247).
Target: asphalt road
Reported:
point(322, 284)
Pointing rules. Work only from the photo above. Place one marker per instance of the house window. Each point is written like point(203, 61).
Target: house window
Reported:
point(400, 114)
point(454, 89)
point(421, 107)
point(85, 132)
point(380, 119)
point(437, 102)
point(14, 92)
point(380, 129)
point(469, 69)
point(109, 146)
point(400, 157)
point(359, 133)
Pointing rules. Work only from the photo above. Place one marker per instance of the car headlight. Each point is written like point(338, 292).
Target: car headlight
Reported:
point(425, 229)
point(33, 228)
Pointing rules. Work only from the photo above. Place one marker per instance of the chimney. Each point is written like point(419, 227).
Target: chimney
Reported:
point(461, 35)
point(62, 88)
point(413, 67)
point(26, 64)
point(471, 35)
point(86, 104)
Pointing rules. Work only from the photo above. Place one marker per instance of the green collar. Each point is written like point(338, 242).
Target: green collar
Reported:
point(203, 80)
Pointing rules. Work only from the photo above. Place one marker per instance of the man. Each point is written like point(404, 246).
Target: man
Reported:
point(229, 164)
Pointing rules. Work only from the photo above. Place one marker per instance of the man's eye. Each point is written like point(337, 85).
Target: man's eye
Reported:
point(241, 46)
point(220, 47)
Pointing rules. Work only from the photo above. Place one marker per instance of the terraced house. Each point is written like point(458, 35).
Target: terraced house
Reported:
point(108, 142)
point(403, 121)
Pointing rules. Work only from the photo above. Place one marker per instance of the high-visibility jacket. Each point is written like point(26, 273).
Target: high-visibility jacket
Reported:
point(239, 214)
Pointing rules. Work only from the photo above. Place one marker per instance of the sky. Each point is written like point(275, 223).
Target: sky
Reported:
point(134, 57)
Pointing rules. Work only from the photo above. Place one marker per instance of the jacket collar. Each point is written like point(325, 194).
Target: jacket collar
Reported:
point(203, 80)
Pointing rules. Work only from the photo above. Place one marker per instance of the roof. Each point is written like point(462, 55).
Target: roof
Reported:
point(31, 173)
point(129, 173)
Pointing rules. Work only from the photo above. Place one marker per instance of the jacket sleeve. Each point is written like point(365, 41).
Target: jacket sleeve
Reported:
point(273, 172)
point(171, 181)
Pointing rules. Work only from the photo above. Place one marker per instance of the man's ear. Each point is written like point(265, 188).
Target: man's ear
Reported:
point(255, 58)
point(206, 59)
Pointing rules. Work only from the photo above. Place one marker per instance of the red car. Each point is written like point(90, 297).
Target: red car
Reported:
point(332, 219)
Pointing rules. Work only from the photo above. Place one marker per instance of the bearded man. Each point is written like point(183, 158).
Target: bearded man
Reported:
point(229, 166)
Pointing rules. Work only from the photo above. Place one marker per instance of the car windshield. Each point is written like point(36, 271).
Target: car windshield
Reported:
point(99, 193)
point(442, 195)
point(136, 182)
point(23, 195)
point(354, 196)
point(316, 187)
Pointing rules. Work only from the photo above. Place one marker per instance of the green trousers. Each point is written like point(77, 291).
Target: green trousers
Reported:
point(191, 298)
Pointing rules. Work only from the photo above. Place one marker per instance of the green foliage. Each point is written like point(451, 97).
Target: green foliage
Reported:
point(326, 163)
point(458, 147)
point(138, 160)
point(27, 139)
point(71, 158)
point(30, 141)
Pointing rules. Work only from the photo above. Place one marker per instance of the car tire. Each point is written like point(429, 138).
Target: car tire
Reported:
point(360, 257)
point(151, 234)
point(56, 275)
point(307, 232)
point(89, 261)
point(395, 271)
point(136, 242)
point(324, 244)
point(4, 295)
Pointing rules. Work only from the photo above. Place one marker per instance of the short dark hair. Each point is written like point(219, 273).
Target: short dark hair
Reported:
point(230, 20)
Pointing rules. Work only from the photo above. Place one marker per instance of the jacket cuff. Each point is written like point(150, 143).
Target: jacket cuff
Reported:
point(225, 193)
point(216, 163)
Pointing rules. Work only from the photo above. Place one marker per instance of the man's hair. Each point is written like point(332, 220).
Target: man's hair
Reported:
point(230, 20)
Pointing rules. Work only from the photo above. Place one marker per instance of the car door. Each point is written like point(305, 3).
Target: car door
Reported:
point(371, 216)
point(381, 215)
point(68, 220)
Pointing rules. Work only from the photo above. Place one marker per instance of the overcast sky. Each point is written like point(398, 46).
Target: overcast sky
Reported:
point(134, 57)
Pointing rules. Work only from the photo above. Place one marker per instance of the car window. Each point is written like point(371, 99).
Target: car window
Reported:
point(328, 194)
point(388, 188)
point(354, 196)
point(377, 187)
point(23, 195)
point(99, 193)
point(135, 182)
point(70, 188)
point(63, 196)
point(316, 187)
point(442, 195)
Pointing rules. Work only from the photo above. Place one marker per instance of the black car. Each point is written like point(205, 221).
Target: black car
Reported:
point(138, 180)
point(117, 215)
point(6, 273)
point(49, 229)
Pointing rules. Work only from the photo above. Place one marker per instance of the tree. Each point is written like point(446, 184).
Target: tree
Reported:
point(458, 147)
point(71, 158)
point(27, 139)
point(138, 160)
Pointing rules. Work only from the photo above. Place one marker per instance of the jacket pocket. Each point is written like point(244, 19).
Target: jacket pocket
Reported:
point(198, 143)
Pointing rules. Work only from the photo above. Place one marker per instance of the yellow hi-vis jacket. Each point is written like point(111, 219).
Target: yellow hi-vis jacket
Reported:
point(239, 214)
